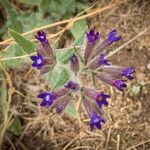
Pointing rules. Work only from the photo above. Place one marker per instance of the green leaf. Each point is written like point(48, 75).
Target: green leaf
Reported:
point(12, 20)
point(82, 6)
point(60, 78)
point(64, 55)
point(80, 40)
point(71, 110)
point(3, 97)
point(54, 77)
point(78, 27)
point(33, 20)
point(27, 45)
point(43, 6)
point(30, 2)
point(13, 51)
point(15, 127)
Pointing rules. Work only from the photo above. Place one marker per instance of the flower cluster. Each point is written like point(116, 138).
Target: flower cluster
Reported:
point(94, 60)
point(60, 98)
point(44, 60)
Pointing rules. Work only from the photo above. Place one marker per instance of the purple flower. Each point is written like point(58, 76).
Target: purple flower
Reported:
point(47, 98)
point(45, 49)
point(120, 84)
point(61, 92)
point(92, 110)
point(101, 99)
point(128, 73)
point(90, 40)
point(41, 36)
point(103, 61)
point(74, 64)
point(92, 36)
point(45, 60)
point(61, 103)
point(115, 71)
point(96, 121)
point(54, 97)
point(72, 86)
point(118, 71)
point(89, 92)
point(98, 62)
point(101, 47)
point(112, 80)
point(112, 36)
point(38, 61)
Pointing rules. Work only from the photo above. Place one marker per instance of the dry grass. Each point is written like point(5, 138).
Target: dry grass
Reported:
point(127, 117)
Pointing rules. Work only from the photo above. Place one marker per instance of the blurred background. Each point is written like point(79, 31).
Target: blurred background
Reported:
point(24, 125)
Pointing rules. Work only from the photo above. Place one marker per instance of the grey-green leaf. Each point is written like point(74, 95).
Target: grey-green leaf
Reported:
point(13, 51)
point(15, 127)
point(78, 28)
point(54, 77)
point(71, 110)
point(30, 2)
point(80, 40)
point(64, 55)
point(61, 79)
point(12, 20)
point(27, 45)
point(3, 97)
point(43, 6)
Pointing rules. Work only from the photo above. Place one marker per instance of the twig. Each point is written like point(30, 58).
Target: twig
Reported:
point(122, 46)
point(63, 22)
point(82, 147)
point(118, 142)
point(132, 147)
point(108, 137)
point(28, 55)
point(5, 125)
point(10, 142)
point(70, 143)
point(127, 43)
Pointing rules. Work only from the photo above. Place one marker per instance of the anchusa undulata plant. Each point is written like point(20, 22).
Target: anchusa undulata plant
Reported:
point(64, 68)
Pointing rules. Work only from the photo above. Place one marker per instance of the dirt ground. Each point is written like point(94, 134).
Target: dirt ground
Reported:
point(128, 114)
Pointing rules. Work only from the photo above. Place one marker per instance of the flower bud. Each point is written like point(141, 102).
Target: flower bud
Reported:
point(90, 40)
point(72, 86)
point(74, 64)
point(98, 62)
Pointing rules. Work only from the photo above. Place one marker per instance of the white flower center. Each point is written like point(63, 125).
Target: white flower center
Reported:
point(96, 120)
point(42, 36)
point(47, 98)
point(39, 61)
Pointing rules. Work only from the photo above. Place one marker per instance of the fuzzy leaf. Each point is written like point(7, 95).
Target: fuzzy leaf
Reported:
point(43, 6)
point(12, 20)
point(27, 45)
point(13, 51)
point(54, 77)
point(71, 110)
point(3, 97)
point(15, 127)
point(60, 78)
point(80, 40)
point(64, 55)
point(78, 27)
point(33, 20)
point(30, 2)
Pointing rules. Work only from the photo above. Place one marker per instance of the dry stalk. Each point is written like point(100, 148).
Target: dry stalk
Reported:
point(93, 12)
